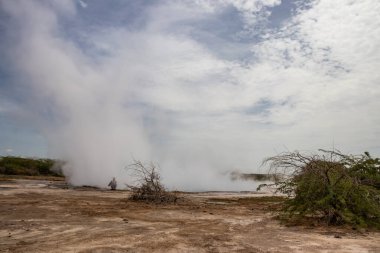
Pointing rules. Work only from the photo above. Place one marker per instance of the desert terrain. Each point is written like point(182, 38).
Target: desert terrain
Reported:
point(49, 216)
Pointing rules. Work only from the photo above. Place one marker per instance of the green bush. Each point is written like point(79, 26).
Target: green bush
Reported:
point(10, 165)
point(338, 188)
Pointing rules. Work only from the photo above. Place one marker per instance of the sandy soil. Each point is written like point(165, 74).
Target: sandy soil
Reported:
point(46, 216)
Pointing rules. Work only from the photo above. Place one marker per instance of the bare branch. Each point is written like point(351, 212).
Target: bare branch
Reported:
point(149, 187)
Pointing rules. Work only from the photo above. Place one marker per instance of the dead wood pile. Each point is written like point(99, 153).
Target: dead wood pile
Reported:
point(148, 187)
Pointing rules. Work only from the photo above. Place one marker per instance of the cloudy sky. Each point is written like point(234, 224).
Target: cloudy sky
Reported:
point(201, 87)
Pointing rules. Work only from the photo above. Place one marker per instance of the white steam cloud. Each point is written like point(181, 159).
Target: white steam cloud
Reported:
point(106, 94)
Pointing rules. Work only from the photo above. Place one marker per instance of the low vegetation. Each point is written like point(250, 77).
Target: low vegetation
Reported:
point(148, 187)
point(329, 186)
point(236, 175)
point(11, 165)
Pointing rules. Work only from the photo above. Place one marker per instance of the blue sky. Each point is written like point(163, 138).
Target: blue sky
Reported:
point(206, 85)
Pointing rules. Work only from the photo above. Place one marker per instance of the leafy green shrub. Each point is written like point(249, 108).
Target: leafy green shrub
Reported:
point(338, 188)
point(10, 165)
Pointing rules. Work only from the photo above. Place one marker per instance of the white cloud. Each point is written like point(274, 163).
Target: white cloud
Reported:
point(8, 150)
point(159, 93)
point(82, 3)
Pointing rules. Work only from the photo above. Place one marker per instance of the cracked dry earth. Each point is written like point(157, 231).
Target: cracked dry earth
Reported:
point(46, 216)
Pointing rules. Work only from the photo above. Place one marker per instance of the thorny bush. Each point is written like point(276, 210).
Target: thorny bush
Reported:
point(337, 188)
point(148, 187)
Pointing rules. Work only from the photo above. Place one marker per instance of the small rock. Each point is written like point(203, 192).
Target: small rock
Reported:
point(337, 236)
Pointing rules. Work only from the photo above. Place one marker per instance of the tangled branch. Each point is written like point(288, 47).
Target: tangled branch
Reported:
point(148, 186)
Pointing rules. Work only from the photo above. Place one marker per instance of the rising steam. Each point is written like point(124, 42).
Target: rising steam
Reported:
point(105, 95)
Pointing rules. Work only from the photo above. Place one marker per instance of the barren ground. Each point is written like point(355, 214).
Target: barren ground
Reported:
point(46, 216)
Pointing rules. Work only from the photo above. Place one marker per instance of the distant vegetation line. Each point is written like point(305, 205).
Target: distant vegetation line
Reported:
point(12, 165)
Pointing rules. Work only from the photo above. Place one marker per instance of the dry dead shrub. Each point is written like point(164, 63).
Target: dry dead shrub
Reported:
point(148, 186)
